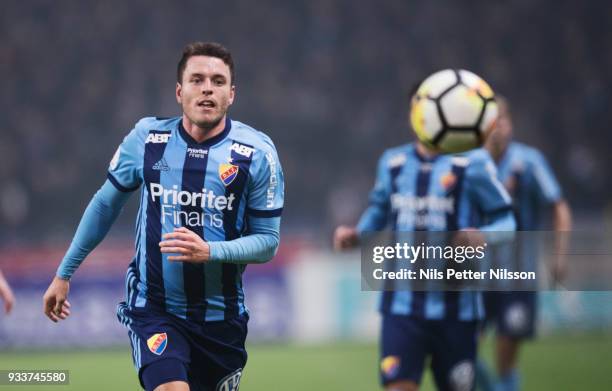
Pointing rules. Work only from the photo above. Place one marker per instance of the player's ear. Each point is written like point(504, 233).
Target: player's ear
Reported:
point(232, 94)
point(179, 91)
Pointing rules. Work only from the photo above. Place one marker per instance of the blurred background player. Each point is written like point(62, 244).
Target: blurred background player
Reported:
point(6, 294)
point(529, 180)
point(211, 200)
point(412, 182)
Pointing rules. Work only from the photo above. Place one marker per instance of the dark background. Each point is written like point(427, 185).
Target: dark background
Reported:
point(327, 80)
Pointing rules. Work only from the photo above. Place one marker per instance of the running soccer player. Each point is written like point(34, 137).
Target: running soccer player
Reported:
point(210, 203)
point(531, 183)
point(418, 189)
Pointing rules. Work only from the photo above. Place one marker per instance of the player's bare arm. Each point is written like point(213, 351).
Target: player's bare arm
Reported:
point(562, 223)
point(190, 246)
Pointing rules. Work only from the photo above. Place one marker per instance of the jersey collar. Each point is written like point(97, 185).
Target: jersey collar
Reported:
point(208, 142)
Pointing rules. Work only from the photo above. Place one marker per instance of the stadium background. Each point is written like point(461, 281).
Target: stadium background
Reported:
point(328, 81)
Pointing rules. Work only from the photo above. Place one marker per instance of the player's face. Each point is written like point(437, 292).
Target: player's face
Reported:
point(500, 137)
point(205, 92)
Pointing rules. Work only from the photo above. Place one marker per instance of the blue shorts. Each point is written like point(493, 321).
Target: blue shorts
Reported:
point(208, 356)
point(407, 342)
point(512, 313)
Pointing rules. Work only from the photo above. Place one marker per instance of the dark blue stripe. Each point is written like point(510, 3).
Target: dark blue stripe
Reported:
point(518, 201)
point(156, 297)
point(229, 272)
point(194, 174)
point(422, 189)
point(451, 299)
point(389, 293)
point(264, 213)
point(119, 186)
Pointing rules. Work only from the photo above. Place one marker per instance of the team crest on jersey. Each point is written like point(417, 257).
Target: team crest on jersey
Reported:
point(390, 366)
point(227, 173)
point(448, 180)
point(157, 343)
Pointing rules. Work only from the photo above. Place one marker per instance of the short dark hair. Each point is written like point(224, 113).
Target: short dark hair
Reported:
point(210, 49)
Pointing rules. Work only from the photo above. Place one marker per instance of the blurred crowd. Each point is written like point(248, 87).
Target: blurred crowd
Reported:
point(327, 80)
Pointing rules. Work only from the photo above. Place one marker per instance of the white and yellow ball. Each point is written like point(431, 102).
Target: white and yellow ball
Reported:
point(453, 111)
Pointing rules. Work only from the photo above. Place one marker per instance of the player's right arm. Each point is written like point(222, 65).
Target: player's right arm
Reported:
point(374, 218)
point(123, 178)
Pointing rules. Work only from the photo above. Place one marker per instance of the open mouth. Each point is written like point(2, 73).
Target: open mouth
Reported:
point(207, 104)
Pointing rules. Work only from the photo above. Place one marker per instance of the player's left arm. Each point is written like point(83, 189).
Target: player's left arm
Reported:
point(548, 191)
point(263, 215)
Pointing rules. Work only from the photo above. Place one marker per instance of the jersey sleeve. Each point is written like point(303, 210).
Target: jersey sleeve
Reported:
point(485, 188)
point(546, 186)
point(374, 218)
point(267, 187)
point(125, 168)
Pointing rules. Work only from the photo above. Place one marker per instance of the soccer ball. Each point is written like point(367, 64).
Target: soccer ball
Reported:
point(453, 111)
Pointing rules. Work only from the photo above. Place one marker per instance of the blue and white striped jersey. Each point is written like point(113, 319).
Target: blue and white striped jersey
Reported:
point(212, 188)
point(444, 193)
point(528, 178)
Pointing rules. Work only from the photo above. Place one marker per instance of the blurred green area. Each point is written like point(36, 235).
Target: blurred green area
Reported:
point(552, 363)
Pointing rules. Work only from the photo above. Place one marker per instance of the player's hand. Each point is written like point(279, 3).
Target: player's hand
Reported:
point(55, 301)
point(345, 237)
point(7, 295)
point(469, 237)
point(190, 246)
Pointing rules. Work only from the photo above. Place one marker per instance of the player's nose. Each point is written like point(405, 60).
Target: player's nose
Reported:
point(207, 87)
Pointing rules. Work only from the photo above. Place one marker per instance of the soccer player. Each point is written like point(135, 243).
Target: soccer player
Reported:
point(530, 181)
point(211, 197)
point(6, 294)
point(418, 189)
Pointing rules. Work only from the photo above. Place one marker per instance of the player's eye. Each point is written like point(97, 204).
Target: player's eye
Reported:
point(219, 81)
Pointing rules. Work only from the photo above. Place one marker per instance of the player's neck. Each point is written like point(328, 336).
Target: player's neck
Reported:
point(200, 134)
point(426, 152)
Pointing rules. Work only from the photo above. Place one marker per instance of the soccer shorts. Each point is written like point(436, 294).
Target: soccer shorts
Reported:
point(406, 344)
point(210, 356)
point(512, 313)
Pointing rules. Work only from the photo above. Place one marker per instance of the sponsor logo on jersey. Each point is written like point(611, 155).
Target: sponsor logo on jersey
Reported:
point(397, 160)
point(204, 199)
point(241, 149)
point(198, 153)
point(230, 382)
point(157, 138)
point(273, 182)
point(227, 173)
point(157, 343)
point(429, 203)
point(173, 200)
point(390, 366)
point(161, 165)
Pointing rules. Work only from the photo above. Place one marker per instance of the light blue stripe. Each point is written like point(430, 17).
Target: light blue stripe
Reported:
point(174, 155)
point(434, 305)
point(141, 300)
point(402, 301)
point(213, 271)
point(466, 306)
